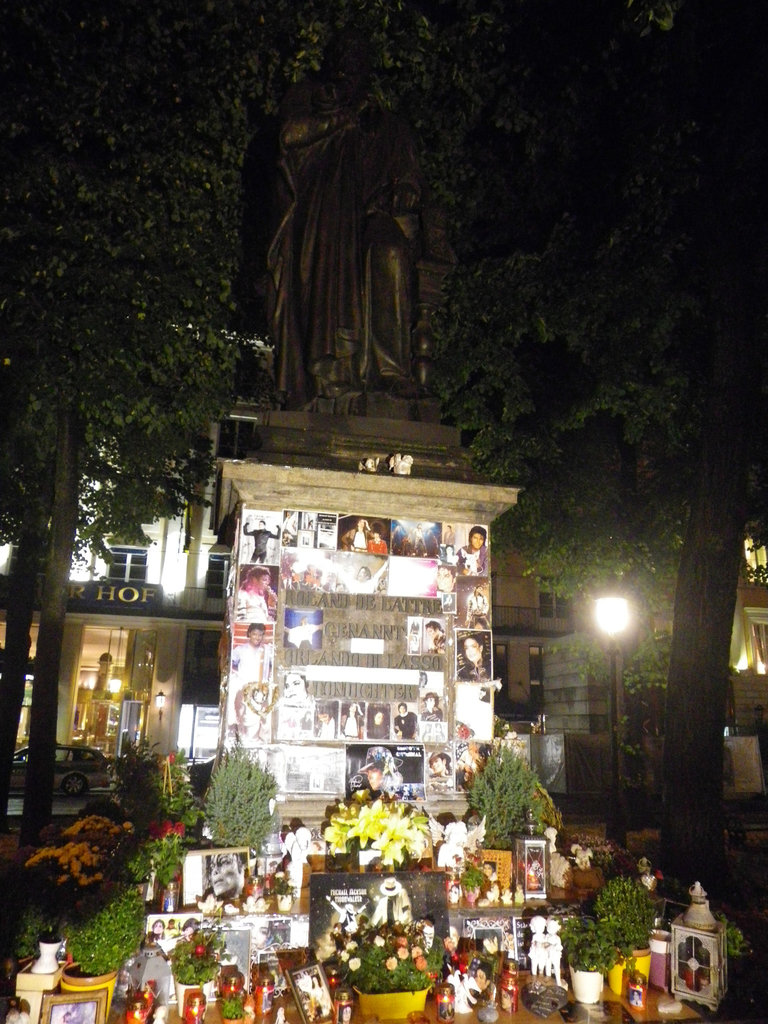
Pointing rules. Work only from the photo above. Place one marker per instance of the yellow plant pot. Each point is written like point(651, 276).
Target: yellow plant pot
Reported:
point(616, 979)
point(73, 981)
point(392, 1005)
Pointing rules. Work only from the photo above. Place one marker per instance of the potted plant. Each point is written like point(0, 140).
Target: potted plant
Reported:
point(239, 803)
point(105, 930)
point(232, 1008)
point(283, 891)
point(591, 952)
point(472, 880)
point(628, 912)
point(503, 793)
point(195, 962)
point(390, 963)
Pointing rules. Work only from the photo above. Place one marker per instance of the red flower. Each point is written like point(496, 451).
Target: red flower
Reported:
point(659, 875)
point(171, 759)
point(179, 828)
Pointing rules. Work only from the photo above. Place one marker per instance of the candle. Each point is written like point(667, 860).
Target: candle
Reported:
point(136, 1010)
point(263, 993)
point(332, 974)
point(343, 998)
point(509, 989)
point(194, 1006)
point(445, 996)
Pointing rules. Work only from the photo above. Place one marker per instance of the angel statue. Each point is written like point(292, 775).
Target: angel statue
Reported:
point(464, 998)
point(559, 866)
point(296, 846)
point(456, 841)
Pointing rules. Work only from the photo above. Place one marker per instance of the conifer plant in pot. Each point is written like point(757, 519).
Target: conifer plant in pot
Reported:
point(628, 911)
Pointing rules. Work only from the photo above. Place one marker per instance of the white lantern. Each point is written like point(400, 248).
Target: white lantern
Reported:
point(532, 862)
point(699, 958)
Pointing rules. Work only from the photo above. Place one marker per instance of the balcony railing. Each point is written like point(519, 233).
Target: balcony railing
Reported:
point(528, 620)
point(194, 601)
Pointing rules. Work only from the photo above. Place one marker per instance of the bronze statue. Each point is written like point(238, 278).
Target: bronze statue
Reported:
point(343, 260)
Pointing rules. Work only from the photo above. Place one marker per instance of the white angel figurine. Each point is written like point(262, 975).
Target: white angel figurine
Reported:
point(559, 867)
point(464, 998)
point(456, 841)
point(296, 845)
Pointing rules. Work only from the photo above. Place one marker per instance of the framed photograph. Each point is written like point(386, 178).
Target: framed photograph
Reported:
point(219, 872)
point(237, 943)
point(72, 1008)
point(497, 865)
point(309, 988)
point(482, 975)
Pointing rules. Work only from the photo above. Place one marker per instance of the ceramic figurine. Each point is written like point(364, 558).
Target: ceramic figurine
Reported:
point(554, 949)
point(559, 868)
point(369, 465)
point(538, 949)
point(400, 465)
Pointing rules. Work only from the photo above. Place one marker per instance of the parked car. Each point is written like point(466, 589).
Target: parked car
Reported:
point(76, 769)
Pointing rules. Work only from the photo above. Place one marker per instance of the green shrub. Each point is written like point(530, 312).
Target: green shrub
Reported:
point(503, 793)
point(237, 804)
point(102, 935)
point(628, 911)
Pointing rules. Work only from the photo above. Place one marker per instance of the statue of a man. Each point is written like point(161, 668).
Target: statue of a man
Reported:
point(342, 260)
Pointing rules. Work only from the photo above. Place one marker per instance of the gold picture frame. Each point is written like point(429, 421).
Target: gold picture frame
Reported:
point(502, 866)
point(77, 1008)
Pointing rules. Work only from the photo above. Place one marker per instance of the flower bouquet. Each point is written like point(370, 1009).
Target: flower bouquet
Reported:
point(391, 826)
point(392, 958)
point(163, 853)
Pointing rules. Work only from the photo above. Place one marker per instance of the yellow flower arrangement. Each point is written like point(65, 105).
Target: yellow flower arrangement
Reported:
point(84, 849)
point(391, 826)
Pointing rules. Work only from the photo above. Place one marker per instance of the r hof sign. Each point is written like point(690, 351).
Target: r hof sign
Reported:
point(105, 596)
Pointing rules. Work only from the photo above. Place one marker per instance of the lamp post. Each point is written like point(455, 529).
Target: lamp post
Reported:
point(612, 615)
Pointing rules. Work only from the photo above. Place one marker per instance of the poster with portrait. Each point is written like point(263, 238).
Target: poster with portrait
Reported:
point(405, 721)
point(471, 547)
point(363, 534)
point(256, 599)
point(337, 898)
point(471, 757)
point(433, 715)
point(415, 538)
point(327, 719)
point(440, 771)
point(251, 691)
point(220, 873)
point(474, 661)
point(396, 769)
point(357, 573)
point(473, 608)
point(260, 537)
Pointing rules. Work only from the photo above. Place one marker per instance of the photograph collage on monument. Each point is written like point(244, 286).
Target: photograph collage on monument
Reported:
point(360, 640)
point(471, 756)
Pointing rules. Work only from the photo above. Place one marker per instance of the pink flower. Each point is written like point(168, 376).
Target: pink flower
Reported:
point(403, 953)
point(391, 963)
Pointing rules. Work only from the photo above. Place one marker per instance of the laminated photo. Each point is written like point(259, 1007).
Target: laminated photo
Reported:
point(357, 573)
point(440, 773)
point(303, 628)
point(396, 769)
point(415, 539)
point(412, 577)
point(363, 535)
point(474, 663)
point(473, 602)
point(260, 537)
point(473, 711)
point(257, 594)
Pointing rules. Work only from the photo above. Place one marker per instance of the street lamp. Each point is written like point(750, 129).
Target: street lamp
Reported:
point(612, 615)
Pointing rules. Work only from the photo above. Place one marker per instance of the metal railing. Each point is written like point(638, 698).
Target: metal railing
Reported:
point(529, 620)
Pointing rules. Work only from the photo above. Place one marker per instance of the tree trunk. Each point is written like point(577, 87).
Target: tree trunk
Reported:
point(22, 588)
point(38, 789)
point(692, 838)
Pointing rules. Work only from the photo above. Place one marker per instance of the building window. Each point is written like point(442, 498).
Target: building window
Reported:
point(760, 647)
point(553, 607)
point(201, 668)
point(128, 565)
point(217, 574)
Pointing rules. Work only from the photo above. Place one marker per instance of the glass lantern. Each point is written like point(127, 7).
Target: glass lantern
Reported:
point(531, 862)
point(699, 959)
